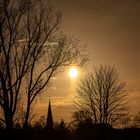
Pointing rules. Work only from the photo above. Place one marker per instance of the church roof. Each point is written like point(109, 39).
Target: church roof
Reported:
point(49, 122)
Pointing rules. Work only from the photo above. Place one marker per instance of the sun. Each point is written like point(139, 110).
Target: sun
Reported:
point(73, 72)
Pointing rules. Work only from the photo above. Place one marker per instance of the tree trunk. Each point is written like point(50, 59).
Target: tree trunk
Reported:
point(8, 119)
point(27, 116)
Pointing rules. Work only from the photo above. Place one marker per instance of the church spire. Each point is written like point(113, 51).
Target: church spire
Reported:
point(49, 122)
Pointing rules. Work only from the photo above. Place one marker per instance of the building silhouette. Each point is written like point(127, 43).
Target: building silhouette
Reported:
point(49, 121)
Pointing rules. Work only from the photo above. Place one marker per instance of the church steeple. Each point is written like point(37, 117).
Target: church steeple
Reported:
point(49, 122)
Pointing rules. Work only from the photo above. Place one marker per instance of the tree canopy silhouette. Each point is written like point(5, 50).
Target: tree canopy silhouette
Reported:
point(101, 95)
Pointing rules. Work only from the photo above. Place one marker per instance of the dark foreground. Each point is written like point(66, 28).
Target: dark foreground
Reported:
point(94, 133)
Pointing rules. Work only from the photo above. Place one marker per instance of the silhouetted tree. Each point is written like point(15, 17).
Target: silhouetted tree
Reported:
point(80, 117)
point(12, 68)
point(102, 95)
point(31, 52)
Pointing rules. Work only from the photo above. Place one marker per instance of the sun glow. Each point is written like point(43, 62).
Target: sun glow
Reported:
point(73, 72)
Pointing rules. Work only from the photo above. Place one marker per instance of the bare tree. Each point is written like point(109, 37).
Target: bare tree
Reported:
point(31, 52)
point(102, 95)
point(11, 13)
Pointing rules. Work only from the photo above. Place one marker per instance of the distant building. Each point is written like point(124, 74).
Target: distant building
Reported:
point(49, 121)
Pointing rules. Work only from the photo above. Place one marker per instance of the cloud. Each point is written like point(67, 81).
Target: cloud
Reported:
point(136, 76)
point(56, 101)
point(53, 78)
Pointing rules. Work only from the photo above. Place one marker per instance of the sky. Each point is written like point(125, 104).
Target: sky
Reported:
point(111, 31)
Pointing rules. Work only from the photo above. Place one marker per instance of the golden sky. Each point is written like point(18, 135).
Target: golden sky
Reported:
point(111, 30)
